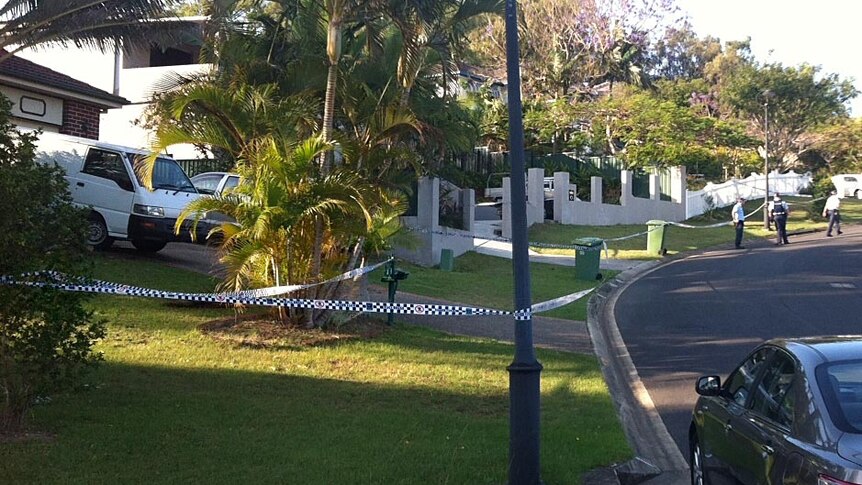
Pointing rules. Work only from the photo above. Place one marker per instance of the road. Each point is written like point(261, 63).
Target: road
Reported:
point(703, 314)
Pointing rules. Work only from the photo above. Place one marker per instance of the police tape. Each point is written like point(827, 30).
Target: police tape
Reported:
point(690, 226)
point(532, 244)
point(53, 279)
point(281, 290)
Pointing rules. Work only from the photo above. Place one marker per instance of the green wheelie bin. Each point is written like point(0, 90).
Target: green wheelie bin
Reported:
point(589, 250)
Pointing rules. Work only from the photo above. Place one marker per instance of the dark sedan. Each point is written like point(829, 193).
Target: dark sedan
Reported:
point(791, 413)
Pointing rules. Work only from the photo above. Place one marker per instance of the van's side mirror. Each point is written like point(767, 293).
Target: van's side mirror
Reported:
point(708, 385)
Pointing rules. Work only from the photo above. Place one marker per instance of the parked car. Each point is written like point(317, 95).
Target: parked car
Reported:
point(848, 185)
point(215, 182)
point(790, 413)
point(496, 193)
point(102, 177)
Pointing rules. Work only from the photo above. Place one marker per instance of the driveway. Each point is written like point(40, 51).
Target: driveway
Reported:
point(194, 257)
point(704, 313)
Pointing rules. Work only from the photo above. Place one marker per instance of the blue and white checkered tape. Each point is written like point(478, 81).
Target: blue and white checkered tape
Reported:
point(76, 284)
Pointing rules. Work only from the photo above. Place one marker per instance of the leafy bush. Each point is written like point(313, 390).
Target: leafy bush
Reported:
point(46, 335)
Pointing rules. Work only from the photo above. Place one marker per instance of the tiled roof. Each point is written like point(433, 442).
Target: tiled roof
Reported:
point(19, 68)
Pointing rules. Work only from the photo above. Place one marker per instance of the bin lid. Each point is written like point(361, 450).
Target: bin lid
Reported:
point(656, 222)
point(589, 242)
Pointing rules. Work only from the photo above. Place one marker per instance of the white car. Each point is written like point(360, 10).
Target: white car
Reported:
point(215, 182)
point(848, 185)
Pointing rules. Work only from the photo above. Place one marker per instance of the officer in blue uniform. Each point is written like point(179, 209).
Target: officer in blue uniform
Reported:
point(779, 211)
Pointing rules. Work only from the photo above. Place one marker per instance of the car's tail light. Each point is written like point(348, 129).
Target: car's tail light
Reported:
point(827, 480)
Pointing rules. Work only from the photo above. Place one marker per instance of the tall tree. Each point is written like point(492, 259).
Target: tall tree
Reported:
point(800, 98)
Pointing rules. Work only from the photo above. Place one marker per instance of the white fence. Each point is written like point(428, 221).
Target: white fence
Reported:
point(751, 187)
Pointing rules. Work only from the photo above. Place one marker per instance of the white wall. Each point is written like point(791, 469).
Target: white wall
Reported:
point(631, 209)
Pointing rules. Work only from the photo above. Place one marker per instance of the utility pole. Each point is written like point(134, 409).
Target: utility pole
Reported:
point(524, 371)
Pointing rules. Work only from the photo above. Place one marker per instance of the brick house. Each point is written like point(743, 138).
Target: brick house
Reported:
point(44, 98)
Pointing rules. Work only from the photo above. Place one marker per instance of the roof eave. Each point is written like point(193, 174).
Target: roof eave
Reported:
point(114, 102)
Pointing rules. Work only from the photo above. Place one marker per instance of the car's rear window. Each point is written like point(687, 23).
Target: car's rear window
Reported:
point(841, 385)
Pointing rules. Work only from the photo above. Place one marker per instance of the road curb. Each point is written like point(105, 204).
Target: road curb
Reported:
point(644, 429)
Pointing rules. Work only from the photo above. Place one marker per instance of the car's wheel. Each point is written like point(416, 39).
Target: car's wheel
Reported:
point(97, 233)
point(148, 245)
point(698, 477)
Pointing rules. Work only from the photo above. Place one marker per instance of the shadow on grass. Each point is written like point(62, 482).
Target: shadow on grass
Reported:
point(141, 424)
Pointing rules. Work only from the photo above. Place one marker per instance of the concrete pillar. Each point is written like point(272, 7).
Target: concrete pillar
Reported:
point(596, 190)
point(428, 203)
point(561, 194)
point(506, 224)
point(625, 187)
point(677, 184)
point(654, 187)
point(535, 196)
point(468, 204)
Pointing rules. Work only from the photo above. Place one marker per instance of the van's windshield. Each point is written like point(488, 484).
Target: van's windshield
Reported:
point(167, 174)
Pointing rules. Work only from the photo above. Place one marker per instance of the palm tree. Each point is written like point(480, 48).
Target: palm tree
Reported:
point(103, 24)
point(283, 197)
point(275, 210)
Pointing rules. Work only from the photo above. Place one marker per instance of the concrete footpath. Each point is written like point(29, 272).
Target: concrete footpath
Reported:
point(552, 333)
point(504, 250)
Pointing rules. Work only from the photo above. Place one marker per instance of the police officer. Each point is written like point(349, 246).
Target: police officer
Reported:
point(738, 214)
point(778, 212)
point(831, 211)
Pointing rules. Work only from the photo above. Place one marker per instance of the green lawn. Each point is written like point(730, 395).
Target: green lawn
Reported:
point(411, 406)
point(679, 240)
point(487, 281)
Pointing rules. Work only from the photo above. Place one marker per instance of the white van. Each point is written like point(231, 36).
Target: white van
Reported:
point(101, 177)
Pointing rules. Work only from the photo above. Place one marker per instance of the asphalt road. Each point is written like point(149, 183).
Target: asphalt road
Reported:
point(703, 314)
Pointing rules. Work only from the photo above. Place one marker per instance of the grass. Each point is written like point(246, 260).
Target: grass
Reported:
point(487, 281)
point(411, 406)
point(679, 240)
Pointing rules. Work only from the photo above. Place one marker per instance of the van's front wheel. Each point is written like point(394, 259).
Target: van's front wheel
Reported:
point(148, 245)
point(97, 233)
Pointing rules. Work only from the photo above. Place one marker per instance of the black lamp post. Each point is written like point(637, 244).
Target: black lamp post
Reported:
point(525, 370)
point(766, 95)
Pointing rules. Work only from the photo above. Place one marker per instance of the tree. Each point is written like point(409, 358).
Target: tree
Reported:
point(569, 47)
point(652, 132)
point(838, 145)
point(46, 335)
point(681, 54)
point(282, 197)
point(102, 24)
point(800, 98)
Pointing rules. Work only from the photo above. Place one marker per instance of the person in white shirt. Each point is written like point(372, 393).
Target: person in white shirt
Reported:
point(778, 212)
point(831, 211)
point(738, 214)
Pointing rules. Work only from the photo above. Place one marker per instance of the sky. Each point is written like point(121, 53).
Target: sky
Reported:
point(823, 33)
point(820, 32)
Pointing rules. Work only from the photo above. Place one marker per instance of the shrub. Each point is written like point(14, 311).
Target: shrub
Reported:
point(46, 335)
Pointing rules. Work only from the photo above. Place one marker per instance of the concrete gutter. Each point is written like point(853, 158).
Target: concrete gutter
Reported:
point(658, 458)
